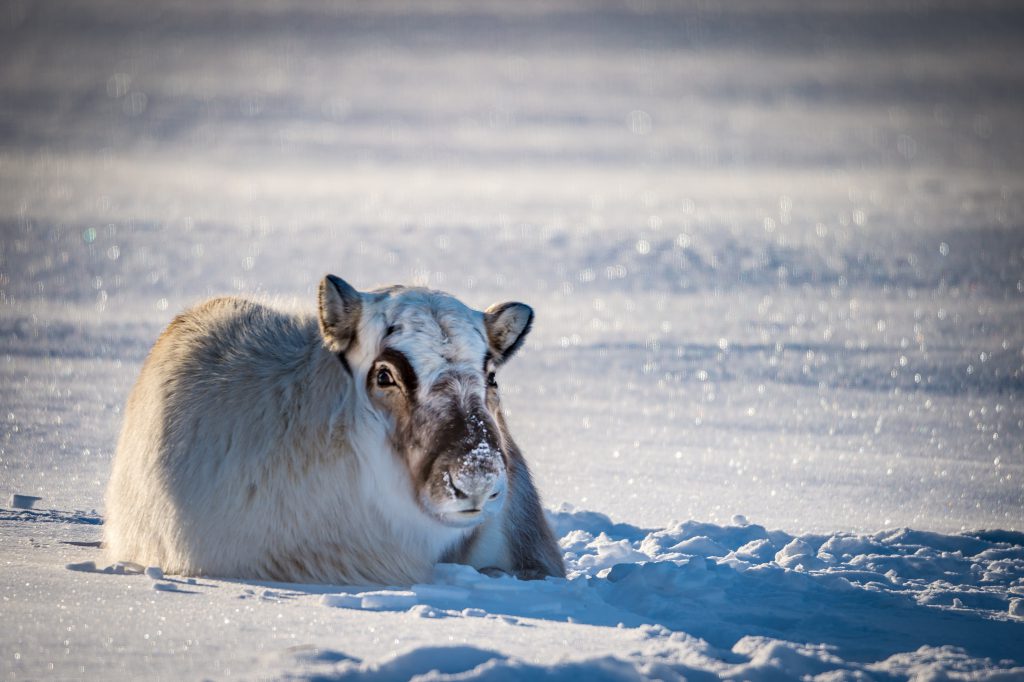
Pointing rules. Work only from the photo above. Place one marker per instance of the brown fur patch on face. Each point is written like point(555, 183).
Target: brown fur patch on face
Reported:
point(460, 426)
point(398, 402)
point(435, 433)
point(398, 360)
point(403, 437)
point(493, 401)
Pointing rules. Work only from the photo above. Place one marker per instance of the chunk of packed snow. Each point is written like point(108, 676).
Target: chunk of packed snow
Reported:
point(19, 501)
point(797, 555)
point(345, 601)
point(424, 611)
point(440, 592)
point(700, 546)
point(388, 600)
point(606, 552)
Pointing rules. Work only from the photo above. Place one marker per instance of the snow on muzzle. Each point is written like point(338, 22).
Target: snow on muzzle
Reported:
point(465, 478)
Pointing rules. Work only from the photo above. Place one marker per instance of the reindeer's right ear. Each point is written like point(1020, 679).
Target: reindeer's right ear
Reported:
point(340, 307)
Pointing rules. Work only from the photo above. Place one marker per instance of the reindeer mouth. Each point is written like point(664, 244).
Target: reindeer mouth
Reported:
point(456, 503)
point(462, 477)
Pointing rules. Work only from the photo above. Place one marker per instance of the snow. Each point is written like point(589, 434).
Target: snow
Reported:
point(23, 501)
point(772, 395)
point(669, 603)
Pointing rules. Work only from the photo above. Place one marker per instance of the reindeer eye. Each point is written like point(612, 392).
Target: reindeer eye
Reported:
point(384, 378)
point(491, 383)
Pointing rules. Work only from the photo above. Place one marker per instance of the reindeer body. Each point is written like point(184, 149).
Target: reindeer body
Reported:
point(352, 447)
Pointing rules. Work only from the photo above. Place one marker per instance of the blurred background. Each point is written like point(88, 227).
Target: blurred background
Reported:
point(776, 249)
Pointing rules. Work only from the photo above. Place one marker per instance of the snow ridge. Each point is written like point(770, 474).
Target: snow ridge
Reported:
point(738, 601)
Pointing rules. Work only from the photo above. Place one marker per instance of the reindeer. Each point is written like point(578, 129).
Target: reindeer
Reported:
point(362, 445)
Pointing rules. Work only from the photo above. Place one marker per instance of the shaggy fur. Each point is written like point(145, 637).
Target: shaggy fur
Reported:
point(362, 445)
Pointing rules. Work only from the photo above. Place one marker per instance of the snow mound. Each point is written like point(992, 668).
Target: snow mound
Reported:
point(744, 602)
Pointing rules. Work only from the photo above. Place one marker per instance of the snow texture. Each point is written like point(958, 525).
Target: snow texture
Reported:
point(776, 256)
point(691, 599)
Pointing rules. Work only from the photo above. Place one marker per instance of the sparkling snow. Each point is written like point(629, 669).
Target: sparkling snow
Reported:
point(772, 396)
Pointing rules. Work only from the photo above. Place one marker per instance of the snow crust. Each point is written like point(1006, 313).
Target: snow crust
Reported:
point(691, 599)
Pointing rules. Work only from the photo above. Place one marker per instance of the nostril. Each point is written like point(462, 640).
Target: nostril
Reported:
point(459, 495)
point(494, 495)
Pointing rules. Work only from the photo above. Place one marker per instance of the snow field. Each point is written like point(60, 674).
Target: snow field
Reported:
point(735, 601)
point(776, 257)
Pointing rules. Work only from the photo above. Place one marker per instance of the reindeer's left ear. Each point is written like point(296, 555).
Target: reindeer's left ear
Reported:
point(507, 326)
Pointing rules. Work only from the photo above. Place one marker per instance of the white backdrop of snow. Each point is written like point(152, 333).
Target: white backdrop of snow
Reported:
point(775, 253)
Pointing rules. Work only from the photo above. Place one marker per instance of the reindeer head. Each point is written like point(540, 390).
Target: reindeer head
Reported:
point(426, 364)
